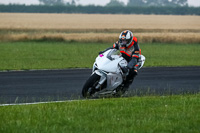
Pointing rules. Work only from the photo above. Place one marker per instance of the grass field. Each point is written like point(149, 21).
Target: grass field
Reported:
point(60, 41)
point(62, 55)
point(152, 114)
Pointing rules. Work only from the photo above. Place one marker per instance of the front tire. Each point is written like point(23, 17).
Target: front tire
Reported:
point(89, 87)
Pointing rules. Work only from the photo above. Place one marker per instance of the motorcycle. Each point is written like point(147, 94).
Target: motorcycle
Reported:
point(107, 75)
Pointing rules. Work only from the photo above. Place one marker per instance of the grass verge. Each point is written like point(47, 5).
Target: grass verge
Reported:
point(180, 113)
point(62, 55)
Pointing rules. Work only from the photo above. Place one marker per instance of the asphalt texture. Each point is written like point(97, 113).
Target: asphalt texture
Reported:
point(59, 85)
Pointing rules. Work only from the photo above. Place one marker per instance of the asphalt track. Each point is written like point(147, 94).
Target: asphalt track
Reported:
point(59, 85)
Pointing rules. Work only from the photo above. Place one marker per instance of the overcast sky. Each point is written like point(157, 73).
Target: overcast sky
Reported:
point(82, 2)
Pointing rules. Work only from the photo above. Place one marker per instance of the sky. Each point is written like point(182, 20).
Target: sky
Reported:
point(82, 2)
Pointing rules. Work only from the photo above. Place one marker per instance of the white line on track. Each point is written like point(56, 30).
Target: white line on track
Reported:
point(40, 102)
point(32, 70)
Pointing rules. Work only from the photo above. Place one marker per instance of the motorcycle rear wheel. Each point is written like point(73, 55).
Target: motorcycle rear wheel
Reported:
point(89, 87)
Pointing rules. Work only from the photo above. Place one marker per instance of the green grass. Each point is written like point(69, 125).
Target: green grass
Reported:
point(61, 55)
point(151, 114)
point(154, 114)
point(46, 55)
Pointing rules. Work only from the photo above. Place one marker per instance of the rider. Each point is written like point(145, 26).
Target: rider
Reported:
point(129, 48)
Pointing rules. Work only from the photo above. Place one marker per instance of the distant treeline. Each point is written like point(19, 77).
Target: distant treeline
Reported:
point(101, 10)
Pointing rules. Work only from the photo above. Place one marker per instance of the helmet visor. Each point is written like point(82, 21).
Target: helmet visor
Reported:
point(124, 42)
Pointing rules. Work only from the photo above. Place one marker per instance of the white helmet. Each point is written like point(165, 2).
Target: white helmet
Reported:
point(126, 38)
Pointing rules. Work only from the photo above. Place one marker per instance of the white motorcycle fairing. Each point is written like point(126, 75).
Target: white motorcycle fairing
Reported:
point(108, 66)
point(109, 75)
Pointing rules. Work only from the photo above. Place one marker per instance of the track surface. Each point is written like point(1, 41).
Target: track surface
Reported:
point(51, 85)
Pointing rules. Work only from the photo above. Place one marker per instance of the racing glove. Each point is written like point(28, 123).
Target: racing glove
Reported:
point(101, 52)
point(125, 70)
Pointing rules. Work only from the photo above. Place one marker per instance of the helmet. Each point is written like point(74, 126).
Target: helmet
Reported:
point(126, 38)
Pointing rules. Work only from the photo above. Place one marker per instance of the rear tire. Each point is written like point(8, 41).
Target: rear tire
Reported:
point(89, 87)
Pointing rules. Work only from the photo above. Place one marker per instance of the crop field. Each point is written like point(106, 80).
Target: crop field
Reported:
point(97, 21)
point(98, 27)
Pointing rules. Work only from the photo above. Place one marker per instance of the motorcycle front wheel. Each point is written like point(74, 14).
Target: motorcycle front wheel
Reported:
point(89, 87)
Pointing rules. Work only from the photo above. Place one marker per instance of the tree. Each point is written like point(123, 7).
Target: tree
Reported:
point(57, 2)
point(181, 2)
point(115, 3)
point(172, 3)
point(73, 2)
point(136, 3)
point(52, 2)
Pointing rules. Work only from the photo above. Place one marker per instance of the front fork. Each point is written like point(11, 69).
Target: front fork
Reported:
point(102, 79)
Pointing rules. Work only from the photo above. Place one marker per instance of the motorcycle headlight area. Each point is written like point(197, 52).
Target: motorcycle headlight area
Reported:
point(95, 65)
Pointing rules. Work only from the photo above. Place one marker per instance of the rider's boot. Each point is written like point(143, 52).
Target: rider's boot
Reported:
point(129, 80)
